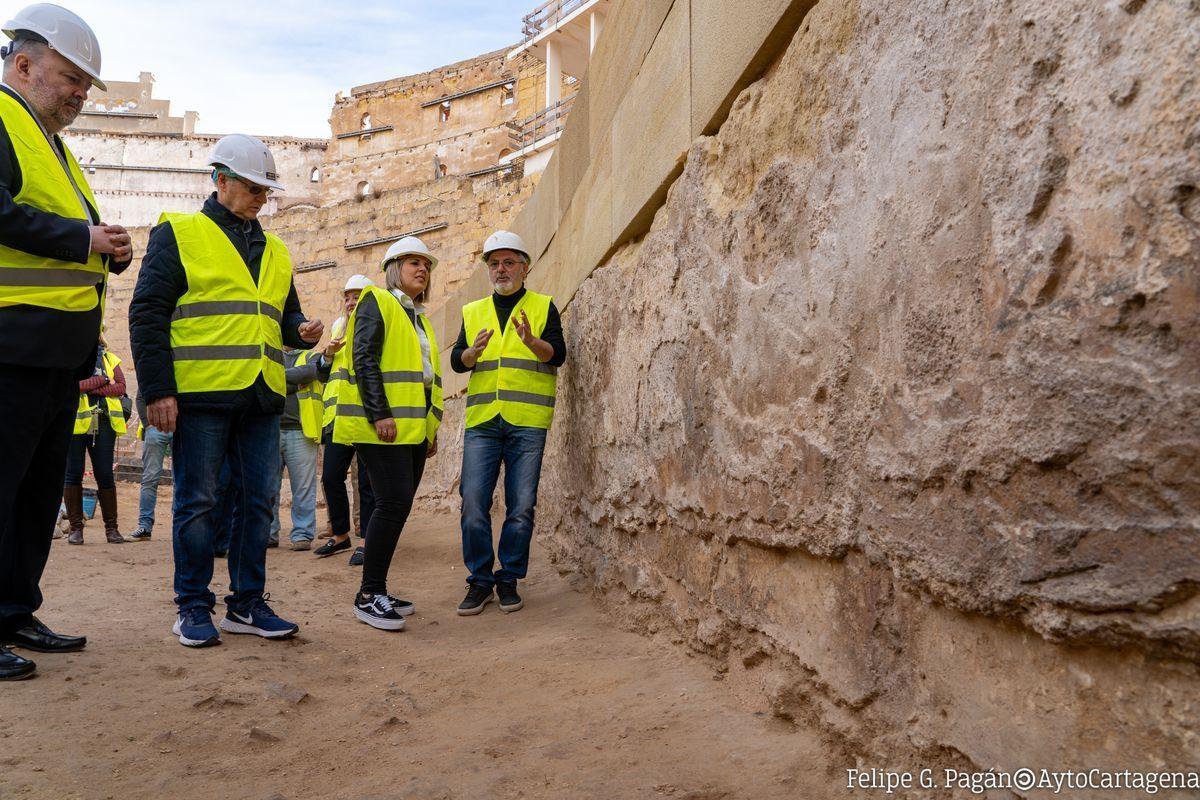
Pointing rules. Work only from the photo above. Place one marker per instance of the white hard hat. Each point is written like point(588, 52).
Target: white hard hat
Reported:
point(408, 246)
point(357, 283)
point(504, 240)
point(65, 32)
point(248, 158)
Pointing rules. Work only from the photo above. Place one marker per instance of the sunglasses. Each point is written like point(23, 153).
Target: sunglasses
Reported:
point(253, 188)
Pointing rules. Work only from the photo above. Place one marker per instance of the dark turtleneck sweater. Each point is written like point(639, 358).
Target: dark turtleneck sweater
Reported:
point(552, 335)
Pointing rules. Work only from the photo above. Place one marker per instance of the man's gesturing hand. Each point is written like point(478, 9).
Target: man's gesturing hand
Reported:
point(162, 414)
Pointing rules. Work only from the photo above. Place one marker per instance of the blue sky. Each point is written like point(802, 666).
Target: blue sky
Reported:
point(274, 68)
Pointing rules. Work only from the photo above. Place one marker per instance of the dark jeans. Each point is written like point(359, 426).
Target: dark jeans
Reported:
point(100, 448)
point(203, 442)
point(39, 406)
point(395, 471)
point(333, 480)
point(227, 509)
point(485, 447)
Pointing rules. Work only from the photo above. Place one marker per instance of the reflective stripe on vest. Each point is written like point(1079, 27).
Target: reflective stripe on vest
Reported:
point(112, 405)
point(225, 330)
point(508, 380)
point(26, 279)
point(337, 377)
point(308, 397)
point(403, 379)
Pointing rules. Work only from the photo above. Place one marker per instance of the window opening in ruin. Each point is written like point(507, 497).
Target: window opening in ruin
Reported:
point(444, 112)
point(366, 121)
point(315, 175)
point(504, 152)
point(441, 170)
point(364, 189)
point(91, 168)
point(509, 95)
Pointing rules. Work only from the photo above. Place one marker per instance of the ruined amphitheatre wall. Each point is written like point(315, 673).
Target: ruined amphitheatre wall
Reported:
point(892, 410)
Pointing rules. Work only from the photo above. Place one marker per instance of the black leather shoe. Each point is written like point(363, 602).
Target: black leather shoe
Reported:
point(40, 639)
point(13, 667)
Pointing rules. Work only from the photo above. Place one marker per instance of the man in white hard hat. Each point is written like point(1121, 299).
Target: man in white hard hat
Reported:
point(340, 457)
point(55, 257)
point(213, 307)
point(516, 347)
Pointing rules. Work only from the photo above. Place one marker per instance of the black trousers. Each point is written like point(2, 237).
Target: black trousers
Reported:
point(40, 406)
point(100, 447)
point(395, 471)
point(333, 480)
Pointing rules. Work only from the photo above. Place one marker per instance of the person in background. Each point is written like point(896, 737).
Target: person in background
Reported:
point(341, 458)
point(99, 420)
point(155, 445)
point(300, 444)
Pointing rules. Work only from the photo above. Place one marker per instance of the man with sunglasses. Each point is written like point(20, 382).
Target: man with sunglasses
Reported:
point(213, 308)
point(516, 349)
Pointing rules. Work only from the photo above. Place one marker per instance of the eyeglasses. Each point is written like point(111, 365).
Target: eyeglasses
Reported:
point(507, 263)
point(252, 188)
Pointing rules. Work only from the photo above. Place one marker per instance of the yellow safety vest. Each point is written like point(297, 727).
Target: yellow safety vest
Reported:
point(403, 379)
point(26, 279)
point(87, 408)
point(310, 399)
point(508, 380)
point(338, 371)
point(225, 329)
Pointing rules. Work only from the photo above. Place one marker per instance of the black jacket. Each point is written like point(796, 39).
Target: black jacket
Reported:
point(162, 281)
point(552, 335)
point(31, 336)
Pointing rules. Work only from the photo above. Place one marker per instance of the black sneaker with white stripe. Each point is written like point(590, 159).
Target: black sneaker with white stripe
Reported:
point(379, 611)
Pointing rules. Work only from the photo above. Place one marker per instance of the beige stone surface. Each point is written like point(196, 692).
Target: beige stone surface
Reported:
point(652, 127)
point(893, 411)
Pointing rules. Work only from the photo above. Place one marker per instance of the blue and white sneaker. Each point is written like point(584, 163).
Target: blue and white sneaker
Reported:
point(258, 618)
point(194, 628)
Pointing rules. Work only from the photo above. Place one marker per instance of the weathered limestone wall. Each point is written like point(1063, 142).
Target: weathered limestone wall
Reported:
point(893, 411)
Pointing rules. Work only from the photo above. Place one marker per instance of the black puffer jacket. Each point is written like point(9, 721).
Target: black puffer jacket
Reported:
point(162, 281)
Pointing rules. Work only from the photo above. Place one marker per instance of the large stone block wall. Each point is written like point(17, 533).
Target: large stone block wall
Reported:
point(891, 407)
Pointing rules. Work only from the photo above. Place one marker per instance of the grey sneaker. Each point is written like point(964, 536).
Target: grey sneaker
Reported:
point(140, 535)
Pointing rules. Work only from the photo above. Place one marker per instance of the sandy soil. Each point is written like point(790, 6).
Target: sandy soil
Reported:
point(554, 701)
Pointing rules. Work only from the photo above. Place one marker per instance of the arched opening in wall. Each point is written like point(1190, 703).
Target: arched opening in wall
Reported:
point(508, 94)
point(315, 175)
point(365, 122)
point(91, 167)
point(444, 111)
point(364, 190)
point(441, 168)
point(504, 153)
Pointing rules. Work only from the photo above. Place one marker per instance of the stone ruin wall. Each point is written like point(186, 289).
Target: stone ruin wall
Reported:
point(893, 413)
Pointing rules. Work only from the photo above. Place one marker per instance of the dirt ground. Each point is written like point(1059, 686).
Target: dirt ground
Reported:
point(554, 701)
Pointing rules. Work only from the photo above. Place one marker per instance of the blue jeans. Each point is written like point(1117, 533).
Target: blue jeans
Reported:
point(227, 510)
point(203, 442)
point(154, 450)
point(485, 447)
point(299, 455)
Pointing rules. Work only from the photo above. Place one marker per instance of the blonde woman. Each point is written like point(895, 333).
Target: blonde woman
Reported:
point(389, 409)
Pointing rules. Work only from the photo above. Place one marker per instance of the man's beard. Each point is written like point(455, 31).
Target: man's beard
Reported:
point(49, 106)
